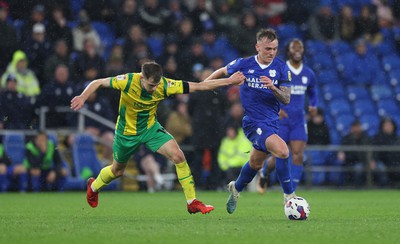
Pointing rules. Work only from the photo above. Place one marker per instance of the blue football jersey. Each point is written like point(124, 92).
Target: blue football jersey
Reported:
point(303, 82)
point(259, 103)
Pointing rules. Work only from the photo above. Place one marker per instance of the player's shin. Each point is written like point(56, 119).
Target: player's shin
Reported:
point(283, 173)
point(186, 180)
point(245, 177)
point(103, 179)
point(297, 172)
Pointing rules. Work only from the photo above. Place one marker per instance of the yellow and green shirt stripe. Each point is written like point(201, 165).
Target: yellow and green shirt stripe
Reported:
point(137, 107)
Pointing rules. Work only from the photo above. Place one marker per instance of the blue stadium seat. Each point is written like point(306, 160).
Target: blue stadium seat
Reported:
point(107, 36)
point(328, 77)
point(391, 62)
point(394, 77)
point(314, 46)
point(85, 158)
point(355, 92)
point(340, 47)
point(156, 45)
point(76, 6)
point(396, 119)
point(384, 48)
point(370, 123)
point(397, 92)
point(387, 107)
point(14, 145)
point(343, 62)
point(379, 92)
point(339, 106)
point(343, 122)
point(334, 90)
point(364, 106)
point(288, 31)
point(322, 61)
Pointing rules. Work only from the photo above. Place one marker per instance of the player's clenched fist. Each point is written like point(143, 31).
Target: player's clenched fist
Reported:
point(77, 103)
point(237, 78)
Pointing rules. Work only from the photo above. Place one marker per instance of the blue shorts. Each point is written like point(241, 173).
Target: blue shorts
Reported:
point(258, 132)
point(293, 129)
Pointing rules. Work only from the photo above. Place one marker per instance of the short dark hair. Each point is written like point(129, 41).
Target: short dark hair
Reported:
point(269, 33)
point(152, 70)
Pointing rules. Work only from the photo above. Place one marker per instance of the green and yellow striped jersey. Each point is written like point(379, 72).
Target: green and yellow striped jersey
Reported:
point(137, 107)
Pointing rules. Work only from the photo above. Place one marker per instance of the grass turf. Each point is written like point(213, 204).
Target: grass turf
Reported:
point(133, 217)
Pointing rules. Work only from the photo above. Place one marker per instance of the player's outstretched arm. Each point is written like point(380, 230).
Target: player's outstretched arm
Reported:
point(235, 79)
point(219, 73)
point(78, 101)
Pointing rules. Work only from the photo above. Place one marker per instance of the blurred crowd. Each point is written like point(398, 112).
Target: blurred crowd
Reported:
point(51, 49)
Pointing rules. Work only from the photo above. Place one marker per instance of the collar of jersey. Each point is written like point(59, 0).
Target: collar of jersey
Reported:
point(293, 69)
point(263, 66)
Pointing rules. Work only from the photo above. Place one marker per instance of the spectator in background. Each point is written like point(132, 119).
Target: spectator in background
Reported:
point(384, 13)
point(126, 17)
point(179, 122)
point(242, 37)
point(233, 152)
point(135, 37)
point(274, 10)
point(38, 49)
point(347, 24)
point(177, 13)
point(89, 64)
point(27, 82)
point(153, 17)
point(217, 46)
point(170, 50)
point(38, 15)
point(323, 25)
point(384, 160)
point(61, 55)
point(298, 11)
point(203, 17)
point(150, 164)
point(8, 37)
point(207, 109)
point(57, 27)
point(85, 31)
point(355, 161)
point(226, 20)
point(318, 131)
point(100, 10)
point(44, 163)
point(367, 26)
point(57, 93)
point(195, 57)
point(10, 172)
point(16, 109)
point(185, 34)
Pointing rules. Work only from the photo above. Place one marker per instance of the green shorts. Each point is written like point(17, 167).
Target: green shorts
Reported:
point(153, 139)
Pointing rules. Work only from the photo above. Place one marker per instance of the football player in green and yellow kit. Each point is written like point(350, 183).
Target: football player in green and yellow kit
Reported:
point(137, 124)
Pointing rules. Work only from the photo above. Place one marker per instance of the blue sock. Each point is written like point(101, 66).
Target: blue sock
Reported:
point(3, 182)
point(23, 182)
point(245, 177)
point(35, 182)
point(283, 173)
point(297, 172)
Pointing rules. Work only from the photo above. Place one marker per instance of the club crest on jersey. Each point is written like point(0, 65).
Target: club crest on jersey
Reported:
point(121, 77)
point(304, 79)
point(171, 83)
point(272, 73)
point(259, 131)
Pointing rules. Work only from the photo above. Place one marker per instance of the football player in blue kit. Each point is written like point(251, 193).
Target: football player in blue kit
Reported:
point(267, 85)
point(293, 126)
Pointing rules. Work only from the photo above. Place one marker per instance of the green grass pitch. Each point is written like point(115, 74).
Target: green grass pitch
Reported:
point(133, 217)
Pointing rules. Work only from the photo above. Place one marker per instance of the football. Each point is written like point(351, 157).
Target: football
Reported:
point(297, 208)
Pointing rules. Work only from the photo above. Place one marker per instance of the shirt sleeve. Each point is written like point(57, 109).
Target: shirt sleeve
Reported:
point(121, 81)
point(286, 76)
point(234, 66)
point(172, 87)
